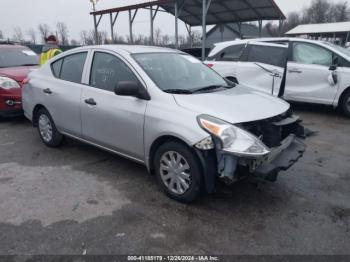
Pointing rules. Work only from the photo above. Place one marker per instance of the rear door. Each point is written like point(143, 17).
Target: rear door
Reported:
point(262, 66)
point(115, 122)
point(308, 74)
point(62, 94)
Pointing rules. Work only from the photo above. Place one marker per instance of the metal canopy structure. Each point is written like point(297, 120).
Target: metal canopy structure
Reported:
point(197, 13)
point(326, 30)
point(227, 11)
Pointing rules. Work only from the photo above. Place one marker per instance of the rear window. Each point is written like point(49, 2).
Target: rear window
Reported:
point(270, 55)
point(70, 68)
point(18, 56)
point(232, 53)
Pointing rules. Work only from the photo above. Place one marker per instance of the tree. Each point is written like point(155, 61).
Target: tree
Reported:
point(44, 31)
point(32, 35)
point(165, 40)
point(62, 31)
point(338, 12)
point(74, 42)
point(293, 20)
point(157, 36)
point(1, 35)
point(18, 35)
point(317, 12)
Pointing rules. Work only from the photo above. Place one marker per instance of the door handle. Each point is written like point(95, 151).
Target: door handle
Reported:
point(297, 71)
point(90, 101)
point(47, 91)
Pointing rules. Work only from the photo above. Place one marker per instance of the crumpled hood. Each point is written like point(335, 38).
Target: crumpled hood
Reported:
point(236, 105)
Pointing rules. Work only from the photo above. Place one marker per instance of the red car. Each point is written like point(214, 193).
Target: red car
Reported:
point(15, 63)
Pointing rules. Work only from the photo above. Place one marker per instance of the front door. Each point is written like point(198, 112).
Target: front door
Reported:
point(109, 120)
point(262, 66)
point(308, 75)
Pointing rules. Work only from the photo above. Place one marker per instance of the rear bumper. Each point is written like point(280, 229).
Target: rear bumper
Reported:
point(280, 159)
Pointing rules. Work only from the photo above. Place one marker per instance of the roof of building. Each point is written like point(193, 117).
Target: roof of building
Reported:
point(340, 27)
point(219, 12)
point(248, 30)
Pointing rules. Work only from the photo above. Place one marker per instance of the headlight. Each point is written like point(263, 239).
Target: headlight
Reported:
point(233, 139)
point(8, 83)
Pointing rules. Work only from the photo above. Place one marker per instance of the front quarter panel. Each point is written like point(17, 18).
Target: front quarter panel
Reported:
point(165, 118)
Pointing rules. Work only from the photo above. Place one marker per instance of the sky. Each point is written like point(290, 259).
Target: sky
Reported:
point(75, 13)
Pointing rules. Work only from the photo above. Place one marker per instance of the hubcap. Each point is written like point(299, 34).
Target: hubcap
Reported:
point(175, 172)
point(45, 128)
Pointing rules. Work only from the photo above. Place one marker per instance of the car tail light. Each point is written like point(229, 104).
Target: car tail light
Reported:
point(210, 65)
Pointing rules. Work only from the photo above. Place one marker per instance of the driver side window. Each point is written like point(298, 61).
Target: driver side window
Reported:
point(107, 70)
point(305, 53)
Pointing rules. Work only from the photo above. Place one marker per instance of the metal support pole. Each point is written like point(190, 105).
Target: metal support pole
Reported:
point(152, 30)
point(260, 28)
point(189, 31)
point(112, 29)
point(204, 28)
point(347, 38)
point(96, 32)
point(280, 27)
point(130, 28)
point(240, 30)
point(176, 24)
point(222, 29)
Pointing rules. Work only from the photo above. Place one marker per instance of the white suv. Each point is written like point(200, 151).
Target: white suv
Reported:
point(317, 72)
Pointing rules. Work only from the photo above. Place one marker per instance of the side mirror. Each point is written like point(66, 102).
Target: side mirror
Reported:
point(335, 64)
point(131, 88)
point(333, 67)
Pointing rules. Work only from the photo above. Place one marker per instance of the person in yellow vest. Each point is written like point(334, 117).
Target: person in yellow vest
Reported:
point(49, 50)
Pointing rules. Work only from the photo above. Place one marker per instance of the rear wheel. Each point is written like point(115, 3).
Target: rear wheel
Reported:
point(345, 103)
point(178, 171)
point(47, 129)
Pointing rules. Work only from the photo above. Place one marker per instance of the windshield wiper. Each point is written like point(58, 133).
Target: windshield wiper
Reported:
point(178, 91)
point(210, 88)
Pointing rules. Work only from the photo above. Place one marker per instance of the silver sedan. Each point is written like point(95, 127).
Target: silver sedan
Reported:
point(165, 109)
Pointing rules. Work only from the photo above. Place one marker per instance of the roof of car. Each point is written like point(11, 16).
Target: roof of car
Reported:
point(132, 49)
point(8, 46)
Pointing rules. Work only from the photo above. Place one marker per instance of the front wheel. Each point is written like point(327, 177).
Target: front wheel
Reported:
point(47, 129)
point(178, 172)
point(345, 104)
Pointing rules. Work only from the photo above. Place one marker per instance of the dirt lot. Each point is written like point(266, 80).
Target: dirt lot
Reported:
point(78, 198)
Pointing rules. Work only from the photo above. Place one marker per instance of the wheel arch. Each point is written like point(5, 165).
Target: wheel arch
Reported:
point(157, 143)
point(342, 95)
point(207, 160)
point(35, 111)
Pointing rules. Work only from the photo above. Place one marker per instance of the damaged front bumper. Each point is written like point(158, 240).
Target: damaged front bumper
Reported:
point(280, 159)
point(265, 167)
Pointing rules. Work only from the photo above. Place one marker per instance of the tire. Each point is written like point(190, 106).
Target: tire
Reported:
point(47, 129)
point(187, 183)
point(345, 103)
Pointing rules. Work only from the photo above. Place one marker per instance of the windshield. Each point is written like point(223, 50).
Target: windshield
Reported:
point(339, 48)
point(178, 72)
point(12, 57)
